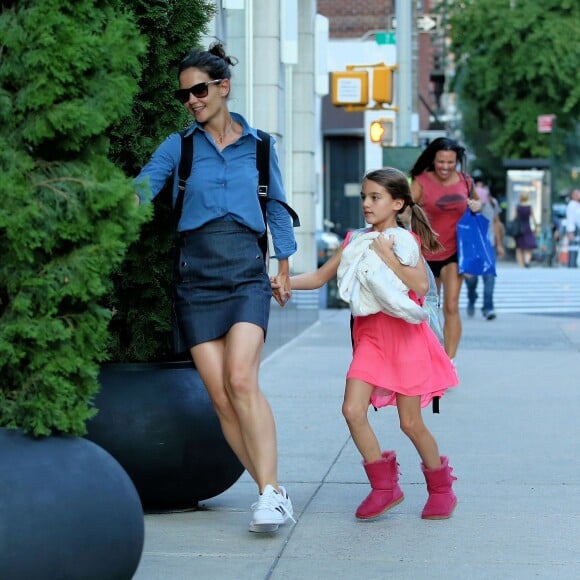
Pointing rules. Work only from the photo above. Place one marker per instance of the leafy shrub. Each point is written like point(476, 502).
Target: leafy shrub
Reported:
point(68, 72)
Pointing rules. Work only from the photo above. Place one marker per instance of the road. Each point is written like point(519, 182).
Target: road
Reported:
point(536, 290)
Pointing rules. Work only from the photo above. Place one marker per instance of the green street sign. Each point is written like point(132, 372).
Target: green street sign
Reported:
point(385, 38)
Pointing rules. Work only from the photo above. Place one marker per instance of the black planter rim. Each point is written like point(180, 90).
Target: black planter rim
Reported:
point(142, 366)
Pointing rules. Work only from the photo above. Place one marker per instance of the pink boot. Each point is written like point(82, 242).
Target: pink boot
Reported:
point(383, 475)
point(442, 500)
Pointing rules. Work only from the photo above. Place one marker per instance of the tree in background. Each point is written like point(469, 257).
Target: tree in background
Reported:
point(68, 72)
point(516, 60)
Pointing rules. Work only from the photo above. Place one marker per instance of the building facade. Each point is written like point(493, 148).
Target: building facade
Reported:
point(287, 50)
point(365, 33)
point(277, 85)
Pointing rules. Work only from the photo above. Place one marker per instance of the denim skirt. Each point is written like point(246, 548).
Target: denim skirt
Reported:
point(220, 280)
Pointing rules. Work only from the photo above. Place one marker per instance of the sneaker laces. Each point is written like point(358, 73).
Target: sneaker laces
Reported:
point(264, 502)
point(271, 502)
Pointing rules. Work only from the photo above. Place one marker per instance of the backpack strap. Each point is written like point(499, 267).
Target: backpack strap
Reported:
point(184, 171)
point(435, 404)
point(263, 163)
point(350, 236)
point(469, 184)
point(263, 166)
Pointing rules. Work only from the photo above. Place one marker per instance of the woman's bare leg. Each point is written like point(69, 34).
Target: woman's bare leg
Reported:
point(243, 350)
point(209, 359)
point(451, 282)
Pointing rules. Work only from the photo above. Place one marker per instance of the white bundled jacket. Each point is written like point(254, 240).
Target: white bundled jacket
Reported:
point(370, 286)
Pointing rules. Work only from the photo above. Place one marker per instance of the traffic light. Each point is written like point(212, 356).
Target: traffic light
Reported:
point(381, 131)
point(383, 84)
point(377, 131)
point(350, 88)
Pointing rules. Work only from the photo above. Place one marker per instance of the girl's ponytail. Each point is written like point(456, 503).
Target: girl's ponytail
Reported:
point(421, 226)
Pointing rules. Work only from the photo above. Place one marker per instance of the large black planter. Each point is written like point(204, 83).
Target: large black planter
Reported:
point(157, 420)
point(67, 510)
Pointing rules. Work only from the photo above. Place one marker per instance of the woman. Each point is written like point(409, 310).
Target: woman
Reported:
point(222, 292)
point(489, 209)
point(573, 227)
point(443, 193)
point(526, 239)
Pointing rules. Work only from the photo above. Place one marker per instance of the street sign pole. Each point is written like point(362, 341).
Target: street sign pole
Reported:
point(404, 15)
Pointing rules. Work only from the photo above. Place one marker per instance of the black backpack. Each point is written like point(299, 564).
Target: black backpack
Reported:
point(263, 166)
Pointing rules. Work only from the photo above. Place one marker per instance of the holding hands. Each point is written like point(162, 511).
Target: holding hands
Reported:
point(281, 289)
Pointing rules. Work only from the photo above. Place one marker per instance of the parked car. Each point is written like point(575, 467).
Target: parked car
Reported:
point(326, 244)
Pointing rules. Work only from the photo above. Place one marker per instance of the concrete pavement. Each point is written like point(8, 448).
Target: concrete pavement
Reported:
point(511, 430)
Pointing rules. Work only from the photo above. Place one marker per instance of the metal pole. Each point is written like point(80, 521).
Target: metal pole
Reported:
point(404, 15)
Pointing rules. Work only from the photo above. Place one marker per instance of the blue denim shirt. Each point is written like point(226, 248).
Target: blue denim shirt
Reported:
point(222, 185)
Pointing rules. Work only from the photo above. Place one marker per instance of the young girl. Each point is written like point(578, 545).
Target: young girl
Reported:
point(394, 362)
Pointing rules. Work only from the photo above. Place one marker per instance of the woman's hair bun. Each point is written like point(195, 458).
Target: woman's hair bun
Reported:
point(218, 49)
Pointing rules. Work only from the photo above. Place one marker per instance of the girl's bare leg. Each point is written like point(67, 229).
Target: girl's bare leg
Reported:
point(355, 407)
point(411, 422)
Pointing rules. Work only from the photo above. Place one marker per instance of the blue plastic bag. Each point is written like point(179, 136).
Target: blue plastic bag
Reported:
point(474, 252)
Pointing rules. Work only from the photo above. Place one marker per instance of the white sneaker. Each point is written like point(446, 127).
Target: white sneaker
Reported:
point(271, 510)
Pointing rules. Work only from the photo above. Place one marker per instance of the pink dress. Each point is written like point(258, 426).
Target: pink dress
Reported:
point(396, 356)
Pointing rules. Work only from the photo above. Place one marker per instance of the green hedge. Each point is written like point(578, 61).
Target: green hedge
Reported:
point(69, 71)
point(85, 97)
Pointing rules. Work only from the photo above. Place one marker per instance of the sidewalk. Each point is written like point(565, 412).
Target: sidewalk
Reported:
point(511, 430)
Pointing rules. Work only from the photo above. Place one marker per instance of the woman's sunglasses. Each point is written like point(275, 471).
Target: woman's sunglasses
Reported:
point(199, 91)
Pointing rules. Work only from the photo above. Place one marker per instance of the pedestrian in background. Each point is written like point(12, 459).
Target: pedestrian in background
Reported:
point(526, 238)
point(491, 210)
point(573, 227)
point(222, 289)
point(394, 361)
point(443, 191)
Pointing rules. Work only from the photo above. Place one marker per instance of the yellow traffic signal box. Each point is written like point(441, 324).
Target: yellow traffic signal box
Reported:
point(383, 84)
point(350, 88)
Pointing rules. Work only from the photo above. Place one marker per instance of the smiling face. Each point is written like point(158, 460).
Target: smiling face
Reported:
point(379, 208)
point(444, 165)
point(208, 107)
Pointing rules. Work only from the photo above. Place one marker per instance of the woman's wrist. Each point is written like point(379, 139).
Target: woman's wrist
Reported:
point(283, 267)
